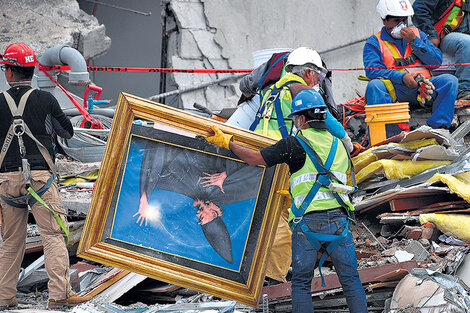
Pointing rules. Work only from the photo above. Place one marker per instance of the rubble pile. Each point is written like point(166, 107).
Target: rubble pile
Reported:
point(410, 226)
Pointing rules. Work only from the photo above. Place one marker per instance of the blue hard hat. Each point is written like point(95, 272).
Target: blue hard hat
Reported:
point(306, 100)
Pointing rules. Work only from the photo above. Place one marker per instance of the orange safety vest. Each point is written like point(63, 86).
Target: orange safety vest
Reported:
point(451, 18)
point(393, 58)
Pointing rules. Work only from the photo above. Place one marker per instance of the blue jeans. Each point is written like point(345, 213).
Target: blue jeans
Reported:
point(458, 46)
point(442, 104)
point(304, 258)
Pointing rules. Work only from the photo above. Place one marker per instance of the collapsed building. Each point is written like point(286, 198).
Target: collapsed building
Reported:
point(401, 241)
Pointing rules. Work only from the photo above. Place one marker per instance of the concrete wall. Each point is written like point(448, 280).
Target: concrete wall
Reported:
point(224, 33)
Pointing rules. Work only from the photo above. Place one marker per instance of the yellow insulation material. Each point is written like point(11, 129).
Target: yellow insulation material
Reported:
point(416, 144)
point(365, 158)
point(458, 183)
point(396, 169)
point(457, 225)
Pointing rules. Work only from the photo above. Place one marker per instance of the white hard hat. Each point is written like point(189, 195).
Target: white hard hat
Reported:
point(304, 56)
point(394, 8)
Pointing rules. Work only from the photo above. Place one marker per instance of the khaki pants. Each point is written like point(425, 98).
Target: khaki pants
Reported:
point(13, 232)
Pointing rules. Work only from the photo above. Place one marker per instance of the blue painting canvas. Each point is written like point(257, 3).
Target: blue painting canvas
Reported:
point(186, 202)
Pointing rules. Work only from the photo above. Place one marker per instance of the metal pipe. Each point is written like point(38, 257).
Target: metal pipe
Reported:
point(189, 89)
point(64, 55)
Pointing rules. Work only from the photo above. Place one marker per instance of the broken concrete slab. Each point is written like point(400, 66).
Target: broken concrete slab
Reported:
point(417, 249)
point(430, 292)
point(53, 22)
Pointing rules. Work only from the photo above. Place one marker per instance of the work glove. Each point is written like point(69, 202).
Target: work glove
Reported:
point(425, 89)
point(284, 193)
point(357, 149)
point(219, 138)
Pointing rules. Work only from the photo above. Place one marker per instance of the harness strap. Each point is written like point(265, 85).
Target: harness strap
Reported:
point(326, 168)
point(14, 112)
point(18, 112)
point(274, 95)
point(323, 179)
point(57, 217)
point(300, 211)
point(40, 192)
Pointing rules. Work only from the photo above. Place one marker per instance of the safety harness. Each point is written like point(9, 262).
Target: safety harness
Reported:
point(324, 178)
point(18, 128)
point(266, 110)
point(451, 18)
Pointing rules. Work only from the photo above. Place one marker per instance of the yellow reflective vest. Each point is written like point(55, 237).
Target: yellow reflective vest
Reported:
point(268, 124)
point(302, 181)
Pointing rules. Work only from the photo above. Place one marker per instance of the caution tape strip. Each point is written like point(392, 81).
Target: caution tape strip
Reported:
point(220, 71)
point(146, 69)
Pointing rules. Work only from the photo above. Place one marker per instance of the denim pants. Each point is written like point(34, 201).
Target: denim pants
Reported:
point(442, 104)
point(458, 46)
point(304, 258)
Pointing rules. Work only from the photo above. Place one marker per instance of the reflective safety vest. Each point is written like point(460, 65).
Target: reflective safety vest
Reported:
point(326, 164)
point(303, 180)
point(393, 58)
point(271, 119)
point(451, 18)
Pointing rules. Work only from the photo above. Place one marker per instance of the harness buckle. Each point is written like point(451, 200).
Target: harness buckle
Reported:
point(297, 220)
point(18, 126)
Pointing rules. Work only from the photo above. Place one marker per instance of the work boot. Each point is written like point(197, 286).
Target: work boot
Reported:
point(8, 304)
point(70, 301)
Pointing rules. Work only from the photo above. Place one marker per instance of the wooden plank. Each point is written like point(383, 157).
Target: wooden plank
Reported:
point(420, 201)
point(367, 275)
point(393, 275)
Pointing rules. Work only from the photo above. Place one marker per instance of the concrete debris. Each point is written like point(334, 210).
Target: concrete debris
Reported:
point(57, 21)
point(431, 291)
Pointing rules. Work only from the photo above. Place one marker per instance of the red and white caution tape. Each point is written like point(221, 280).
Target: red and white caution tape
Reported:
point(217, 71)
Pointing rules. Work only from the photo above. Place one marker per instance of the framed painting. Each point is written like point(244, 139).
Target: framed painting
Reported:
point(171, 206)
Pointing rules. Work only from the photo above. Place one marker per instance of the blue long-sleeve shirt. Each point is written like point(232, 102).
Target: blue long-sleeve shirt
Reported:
point(427, 13)
point(334, 127)
point(424, 49)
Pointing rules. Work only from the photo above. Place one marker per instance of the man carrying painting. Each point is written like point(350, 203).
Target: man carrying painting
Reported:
point(319, 216)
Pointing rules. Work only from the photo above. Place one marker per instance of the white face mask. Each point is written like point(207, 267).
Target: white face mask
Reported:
point(316, 87)
point(294, 126)
point(396, 30)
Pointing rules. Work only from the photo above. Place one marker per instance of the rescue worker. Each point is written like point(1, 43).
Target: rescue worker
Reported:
point(254, 85)
point(27, 123)
point(447, 24)
point(278, 80)
point(399, 45)
point(318, 165)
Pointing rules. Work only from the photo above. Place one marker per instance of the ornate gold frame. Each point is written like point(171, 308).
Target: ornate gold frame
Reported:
point(94, 247)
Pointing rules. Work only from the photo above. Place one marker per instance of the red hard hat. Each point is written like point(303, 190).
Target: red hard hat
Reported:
point(19, 54)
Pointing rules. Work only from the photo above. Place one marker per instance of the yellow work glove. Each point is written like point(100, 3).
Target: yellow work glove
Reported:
point(219, 138)
point(284, 193)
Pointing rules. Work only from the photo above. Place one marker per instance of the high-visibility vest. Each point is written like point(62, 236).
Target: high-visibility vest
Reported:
point(268, 123)
point(393, 58)
point(302, 181)
point(451, 18)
